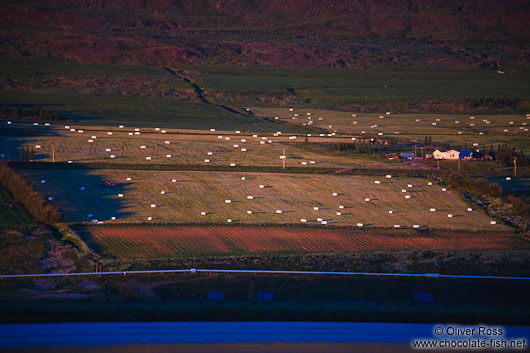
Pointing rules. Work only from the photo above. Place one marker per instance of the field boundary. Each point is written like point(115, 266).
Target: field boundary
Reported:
point(365, 229)
point(259, 169)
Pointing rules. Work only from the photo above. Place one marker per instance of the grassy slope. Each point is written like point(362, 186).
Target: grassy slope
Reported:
point(113, 107)
point(13, 215)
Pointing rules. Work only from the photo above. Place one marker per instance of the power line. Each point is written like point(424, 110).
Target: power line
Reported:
point(197, 270)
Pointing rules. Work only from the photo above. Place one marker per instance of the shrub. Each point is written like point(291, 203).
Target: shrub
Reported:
point(478, 185)
point(25, 193)
point(521, 205)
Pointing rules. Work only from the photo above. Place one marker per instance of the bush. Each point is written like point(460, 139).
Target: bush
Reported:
point(521, 205)
point(478, 185)
point(71, 236)
point(25, 193)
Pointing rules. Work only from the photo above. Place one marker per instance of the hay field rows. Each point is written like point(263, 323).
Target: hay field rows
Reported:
point(153, 242)
point(449, 128)
point(187, 194)
point(180, 149)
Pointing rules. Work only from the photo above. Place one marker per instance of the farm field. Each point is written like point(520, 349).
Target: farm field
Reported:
point(446, 131)
point(449, 128)
point(93, 93)
point(180, 197)
point(178, 147)
point(338, 87)
point(157, 242)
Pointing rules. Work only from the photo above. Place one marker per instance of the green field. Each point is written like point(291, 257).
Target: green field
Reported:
point(141, 111)
point(149, 94)
point(334, 86)
point(121, 93)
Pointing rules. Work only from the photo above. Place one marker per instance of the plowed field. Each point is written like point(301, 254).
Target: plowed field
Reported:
point(152, 242)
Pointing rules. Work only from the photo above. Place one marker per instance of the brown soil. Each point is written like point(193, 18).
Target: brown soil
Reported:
point(143, 242)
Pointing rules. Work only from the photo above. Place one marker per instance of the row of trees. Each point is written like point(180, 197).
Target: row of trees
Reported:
point(482, 186)
point(492, 102)
point(25, 193)
point(521, 205)
point(39, 113)
point(478, 185)
point(27, 154)
point(505, 155)
point(343, 148)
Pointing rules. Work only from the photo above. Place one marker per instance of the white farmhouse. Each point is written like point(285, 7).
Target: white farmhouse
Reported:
point(444, 154)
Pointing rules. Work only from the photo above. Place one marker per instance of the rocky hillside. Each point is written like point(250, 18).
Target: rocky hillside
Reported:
point(313, 33)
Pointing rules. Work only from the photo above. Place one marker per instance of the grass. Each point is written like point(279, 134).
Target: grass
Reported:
point(318, 86)
point(183, 148)
point(58, 86)
point(138, 110)
point(20, 253)
point(294, 194)
point(76, 311)
point(13, 215)
point(444, 132)
point(22, 67)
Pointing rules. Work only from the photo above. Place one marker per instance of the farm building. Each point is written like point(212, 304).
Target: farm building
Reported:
point(265, 296)
point(451, 154)
point(406, 155)
point(216, 296)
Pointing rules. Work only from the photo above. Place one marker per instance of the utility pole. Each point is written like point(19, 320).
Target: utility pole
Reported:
point(250, 289)
point(283, 157)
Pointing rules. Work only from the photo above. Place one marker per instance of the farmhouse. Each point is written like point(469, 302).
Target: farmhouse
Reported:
point(451, 154)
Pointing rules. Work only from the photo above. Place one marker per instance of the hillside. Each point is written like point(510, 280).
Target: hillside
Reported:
point(307, 33)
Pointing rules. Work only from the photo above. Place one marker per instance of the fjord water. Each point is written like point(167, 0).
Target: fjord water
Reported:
point(217, 336)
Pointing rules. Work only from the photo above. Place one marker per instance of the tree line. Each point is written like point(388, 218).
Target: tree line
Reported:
point(27, 154)
point(477, 185)
point(25, 193)
point(39, 113)
point(370, 148)
point(484, 187)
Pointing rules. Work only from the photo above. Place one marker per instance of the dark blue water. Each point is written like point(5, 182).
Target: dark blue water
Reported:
point(85, 334)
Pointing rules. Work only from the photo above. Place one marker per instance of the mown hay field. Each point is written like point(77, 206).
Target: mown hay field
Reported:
point(96, 145)
point(180, 197)
point(158, 242)
point(481, 129)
